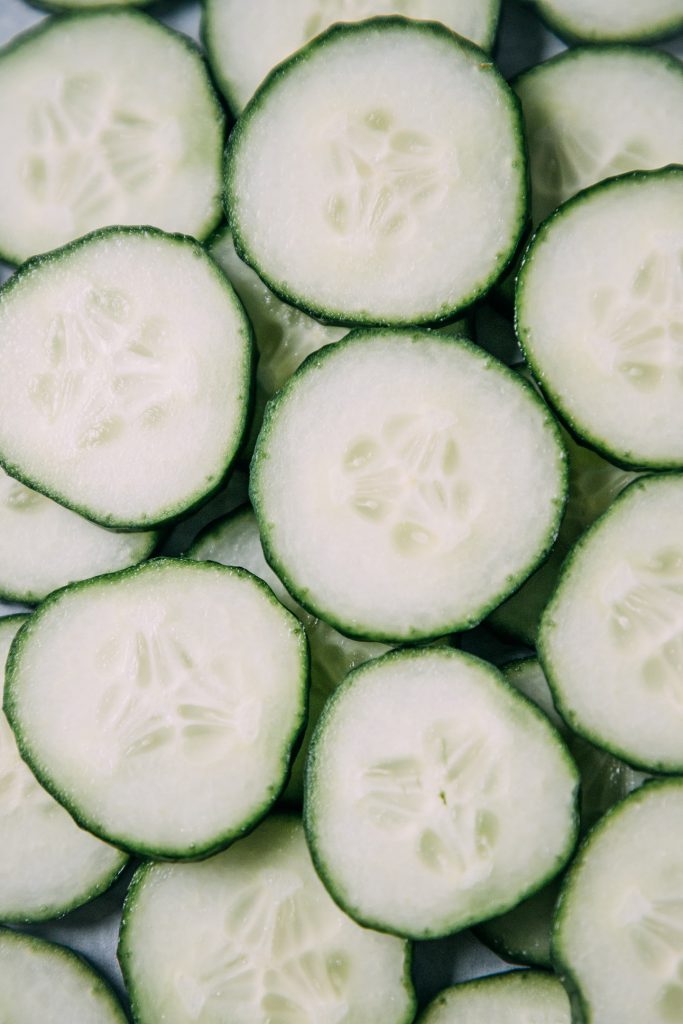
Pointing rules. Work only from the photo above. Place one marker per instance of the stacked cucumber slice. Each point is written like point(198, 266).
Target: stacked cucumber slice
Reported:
point(334, 337)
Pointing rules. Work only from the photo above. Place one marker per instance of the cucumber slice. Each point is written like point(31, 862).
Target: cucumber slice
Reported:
point(284, 335)
point(160, 704)
point(618, 934)
point(85, 5)
point(528, 996)
point(379, 476)
point(464, 804)
point(594, 21)
point(108, 117)
point(610, 638)
point(40, 981)
point(600, 319)
point(44, 546)
point(235, 540)
point(125, 361)
point(48, 865)
point(377, 140)
point(251, 936)
point(594, 112)
point(245, 41)
point(594, 483)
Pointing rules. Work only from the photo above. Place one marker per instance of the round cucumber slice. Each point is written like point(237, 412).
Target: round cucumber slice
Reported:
point(108, 117)
point(245, 41)
point(48, 865)
point(593, 112)
point(502, 999)
point(618, 937)
point(44, 546)
point(251, 935)
point(609, 639)
point(235, 540)
point(160, 704)
point(379, 175)
point(40, 981)
point(595, 21)
point(125, 361)
point(379, 476)
point(600, 316)
point(428, 776)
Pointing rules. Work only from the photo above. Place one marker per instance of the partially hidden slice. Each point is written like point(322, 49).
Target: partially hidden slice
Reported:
point(596, 111)
point(160, 705)
point(44, 546)
point(251, 935)
point(502, 999)
point(48, 865)
point(235, 540)
point(107, 117)
point(612, 21)
point(125, 369)
point(611, 636)
point(435, 795)
point(40, 981)
point(599, 312)
point(380, 478)
point(618, 937)
point(379, 175)
point(245, 41)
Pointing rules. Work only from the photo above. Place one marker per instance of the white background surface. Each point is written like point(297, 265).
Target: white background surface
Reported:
point(92, 930)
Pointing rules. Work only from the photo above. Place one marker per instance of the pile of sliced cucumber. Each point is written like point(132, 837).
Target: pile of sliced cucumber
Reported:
point(328, 631)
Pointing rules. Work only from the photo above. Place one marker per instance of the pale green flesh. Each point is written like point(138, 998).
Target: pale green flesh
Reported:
point(619, 931)
point(594, 483)
point(246, 40)
point(125, 364)
point(195, 693)
point(43, 982)
point(610, 637)
point(251, 935)
point(236, 541)
point(387, 139)
point(613, 20)
point(521, 997)
point(44, 546)
point(109, 119)
point(428, 801)
point(600, 316)
point(47, 864)
point(409, 476)
point(595, 113)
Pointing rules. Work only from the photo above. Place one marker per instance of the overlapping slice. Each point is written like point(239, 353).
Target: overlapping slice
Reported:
point(618, 935)
point(611, 637)
point(107, 118)
point(48, 865)
point(161, 704)
point(600, 315)
point(40, 981)
point(125, 368)
point(435, 795)
point(612, 21)
point(246, 40)
point(380, 476)
point(502, 999)
point(251, 935)
point(379, 175)
point(593, 112)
